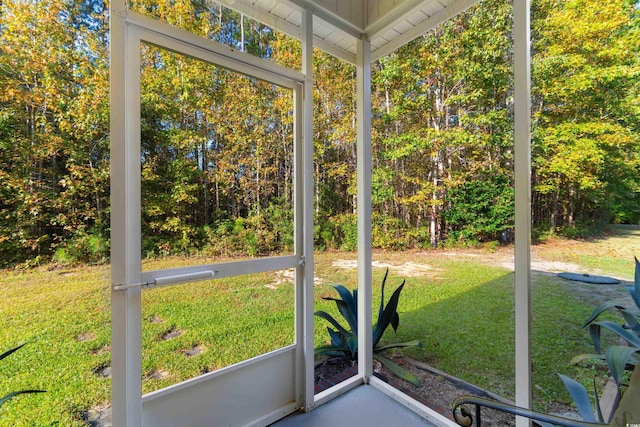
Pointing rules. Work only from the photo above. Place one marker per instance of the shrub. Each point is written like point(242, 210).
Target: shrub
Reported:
point(389, 232)
point(346, 231)
point(480, 210)
point(83, 247)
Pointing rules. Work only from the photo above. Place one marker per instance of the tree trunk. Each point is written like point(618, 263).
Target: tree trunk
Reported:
point(554, 212)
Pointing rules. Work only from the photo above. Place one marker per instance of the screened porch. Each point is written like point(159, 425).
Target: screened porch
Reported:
point(268, 388)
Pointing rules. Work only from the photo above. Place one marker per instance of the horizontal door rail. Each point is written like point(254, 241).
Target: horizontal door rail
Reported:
point(176, 276)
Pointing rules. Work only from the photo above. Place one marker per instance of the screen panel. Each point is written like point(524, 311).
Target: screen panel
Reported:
point(216, 161)
point(196, 328)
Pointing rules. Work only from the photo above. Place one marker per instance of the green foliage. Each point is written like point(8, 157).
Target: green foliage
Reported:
point(618, 357)
point(216, 146)
point(54, 110)
point(260, 234)
point(585, 88)
point(345, 233)
point(583, 228)
point(11, 395)
point(480, 210)
point(344, 340)
point(341, 232)
point(390, 233)
point(84, 247)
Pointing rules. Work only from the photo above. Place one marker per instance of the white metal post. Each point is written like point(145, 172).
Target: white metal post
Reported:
point(363, 111)
point(307, 137)
point(522, 102)
point(125, 224)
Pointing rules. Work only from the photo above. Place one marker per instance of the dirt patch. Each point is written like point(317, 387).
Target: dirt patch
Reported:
point(87, 336)
point(171, 334)
point(103, 371)
point(157, 375)
point(593, 294)
point(194, 351)
point(407, 269)
point(288, 277)
point(156, 319)
point(98, 416)
point(101, 350)
point(438, 390)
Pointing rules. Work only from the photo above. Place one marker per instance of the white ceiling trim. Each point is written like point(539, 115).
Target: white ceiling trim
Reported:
point(399, 11)
point(416, 31)
point(331, 18)
point(290, 25)
point(337, 36)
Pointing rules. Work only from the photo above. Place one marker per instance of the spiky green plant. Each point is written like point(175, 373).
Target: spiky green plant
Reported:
point(10, 396)
point(344, 340)
point(618, 357)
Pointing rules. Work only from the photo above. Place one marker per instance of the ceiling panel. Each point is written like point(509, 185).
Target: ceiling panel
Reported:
point(339, 23)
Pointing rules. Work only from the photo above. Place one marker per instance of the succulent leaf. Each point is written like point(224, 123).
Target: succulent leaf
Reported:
point(329, 318)
point(387, 315)
point(13, 350)
point(597, 400)
point(580, 398)
point(601, 309)
point(623, 333)
point(594, 331)
point(398, 370)
point(617, 358)
point(414, 343)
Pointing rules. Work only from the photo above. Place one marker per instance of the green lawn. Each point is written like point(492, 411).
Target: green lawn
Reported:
point(611, 254)
point(461, 308)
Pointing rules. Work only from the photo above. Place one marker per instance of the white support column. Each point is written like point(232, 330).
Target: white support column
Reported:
point(125, 225)
point(307, 137)
point(522, 99)
point(363, 111)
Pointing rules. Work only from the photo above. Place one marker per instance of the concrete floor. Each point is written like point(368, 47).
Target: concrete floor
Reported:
point(362, 406)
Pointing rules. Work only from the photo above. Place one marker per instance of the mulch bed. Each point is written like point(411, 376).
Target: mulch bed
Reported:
point(437, 390)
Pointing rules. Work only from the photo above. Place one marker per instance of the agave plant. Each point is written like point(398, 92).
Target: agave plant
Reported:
point(618, 357)
point(10, 396)
point(344, 340)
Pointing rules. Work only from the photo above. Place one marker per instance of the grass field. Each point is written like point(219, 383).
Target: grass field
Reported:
point(458, 303)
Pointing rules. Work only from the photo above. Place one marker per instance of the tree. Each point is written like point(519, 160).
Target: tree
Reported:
point(53, 111)
point(444, 115)
point(586, 85)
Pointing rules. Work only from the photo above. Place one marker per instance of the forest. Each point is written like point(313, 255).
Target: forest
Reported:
point(217, 147)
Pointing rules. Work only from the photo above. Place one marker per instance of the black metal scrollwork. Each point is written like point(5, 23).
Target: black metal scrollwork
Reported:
point(464, 417)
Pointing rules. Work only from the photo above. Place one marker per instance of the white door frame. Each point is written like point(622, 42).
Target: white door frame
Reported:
point(254, 392)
